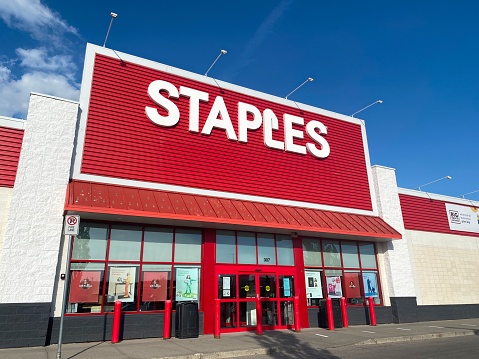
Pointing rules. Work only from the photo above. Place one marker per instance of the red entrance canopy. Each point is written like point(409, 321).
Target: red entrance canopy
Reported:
point(113, 201)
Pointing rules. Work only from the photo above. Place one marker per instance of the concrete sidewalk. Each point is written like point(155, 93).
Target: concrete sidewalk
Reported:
point(311, 342)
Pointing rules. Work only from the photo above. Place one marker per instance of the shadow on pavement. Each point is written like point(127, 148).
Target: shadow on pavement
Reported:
point(288, 345)
point(85, 350)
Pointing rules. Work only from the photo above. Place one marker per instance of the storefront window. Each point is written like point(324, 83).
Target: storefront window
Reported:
point(371, 288)
point(86, 286)
point(284, 247)
point(312, 252)
point(352, 287)
point(314, 290)
point(188, 246)
point(332, 256)
point(158, 244)
point(266, 251)
point(125, 243)
point(368, 255)
point(225, 247)
point(90, 243)
point(106, 266)
point(246, 248)
point(349, 270)
point(155, 289)
point(122, 284)
point(350, 255)
point(187, 284)
point(334, 281)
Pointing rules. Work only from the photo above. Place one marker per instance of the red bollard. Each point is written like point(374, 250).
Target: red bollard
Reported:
point(329, 312)
point(115, 334)
point(344, 312)
point(372, 314)
point(297, 326)
point(217, 319)
point(259, 316)
point(167, 320)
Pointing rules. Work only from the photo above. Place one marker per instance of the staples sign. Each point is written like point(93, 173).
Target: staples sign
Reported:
point(249, 118)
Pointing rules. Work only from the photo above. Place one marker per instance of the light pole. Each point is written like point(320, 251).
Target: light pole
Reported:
point(113, 16)
point(445, 177)
point(378, 101)
point(310, 79)
point(222, 52)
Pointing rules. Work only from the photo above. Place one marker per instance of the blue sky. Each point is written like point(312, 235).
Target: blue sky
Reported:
point(420, 57)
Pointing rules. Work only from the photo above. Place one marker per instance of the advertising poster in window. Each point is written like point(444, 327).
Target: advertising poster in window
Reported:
point(186, 284)
point(351, 285)
point(154, 286)
point(334, 287)
point(286, 287)
point(85, 286)
point(313, 284)
point(121, 284)
point(463, 218)
point(226, 286)
point(370, 285)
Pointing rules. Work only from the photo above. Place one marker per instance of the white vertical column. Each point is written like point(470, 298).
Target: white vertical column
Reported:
point(397, 254)
point(34, 226)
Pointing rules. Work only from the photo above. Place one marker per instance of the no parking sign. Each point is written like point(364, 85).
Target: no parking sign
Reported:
point(72, 224)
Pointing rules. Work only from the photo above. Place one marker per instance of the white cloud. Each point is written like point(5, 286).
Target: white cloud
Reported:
point(48, 68)
point(35, 18)
point(40, 59)
point(15, 93)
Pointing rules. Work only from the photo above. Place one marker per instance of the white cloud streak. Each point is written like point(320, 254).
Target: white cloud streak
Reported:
point(35, 18)
point(49, 68)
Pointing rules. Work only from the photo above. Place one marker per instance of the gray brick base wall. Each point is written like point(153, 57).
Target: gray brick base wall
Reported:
point(23, 324)
point(80, 329)
point(402, 310)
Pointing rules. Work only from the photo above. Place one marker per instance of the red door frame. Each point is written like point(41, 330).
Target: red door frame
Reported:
point(257, 271)
point(209, 282)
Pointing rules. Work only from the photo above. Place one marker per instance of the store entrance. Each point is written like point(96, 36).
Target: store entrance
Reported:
point(238, 291)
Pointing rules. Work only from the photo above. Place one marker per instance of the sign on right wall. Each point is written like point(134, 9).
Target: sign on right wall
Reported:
point(463, 218)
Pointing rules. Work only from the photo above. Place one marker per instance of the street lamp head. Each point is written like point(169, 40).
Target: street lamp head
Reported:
point(448, 177)
point(380, 101)
point(224, 52)
point(113, 15)
point(310, 79)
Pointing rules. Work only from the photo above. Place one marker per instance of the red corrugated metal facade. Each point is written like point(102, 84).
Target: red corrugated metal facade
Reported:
point(121, 142)
point(429, 215)
point(10, 146)
point(120, 200)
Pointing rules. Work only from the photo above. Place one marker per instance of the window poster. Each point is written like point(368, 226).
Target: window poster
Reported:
point(286, 287)
point(313, 284)
point(121, 284)
point(154, 286)
point(370, 285)
point(85, 286)
point(351, 285)
point(186, 284)
point(226, 286)
point(334, 287)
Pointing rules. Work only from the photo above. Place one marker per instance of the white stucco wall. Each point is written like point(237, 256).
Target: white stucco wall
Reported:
point(447, 268)
point(5, 200)
point(395, 257)
point(33, 232)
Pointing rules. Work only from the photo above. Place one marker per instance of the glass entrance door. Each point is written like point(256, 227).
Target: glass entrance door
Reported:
point(238, 295)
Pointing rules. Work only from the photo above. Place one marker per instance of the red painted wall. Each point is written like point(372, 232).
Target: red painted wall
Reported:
point(10, 146)
point(424, 214)
point(122, 142)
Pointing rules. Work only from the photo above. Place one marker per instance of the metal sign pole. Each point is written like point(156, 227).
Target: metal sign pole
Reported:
point(69, 221)
point(65, 298)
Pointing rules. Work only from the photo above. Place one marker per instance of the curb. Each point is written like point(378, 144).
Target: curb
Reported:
point(234, 353)
point(410, 338)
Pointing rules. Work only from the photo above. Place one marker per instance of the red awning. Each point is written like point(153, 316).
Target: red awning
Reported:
point(106, 201)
